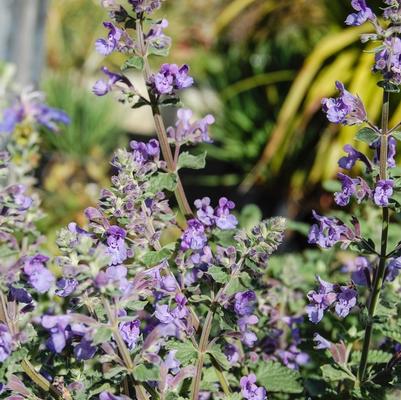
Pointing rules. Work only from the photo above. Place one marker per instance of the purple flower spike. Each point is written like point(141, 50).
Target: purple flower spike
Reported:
point(130, 332)
point(250, 390)
point(117, 40)
point(147, 6)
point(346, 109)
point(245, 303)
point(116, 247)
point(383, 192)
point(205, 212)
point(6, 342)
point(171, 78)
point(103, 87)
point(363, 13)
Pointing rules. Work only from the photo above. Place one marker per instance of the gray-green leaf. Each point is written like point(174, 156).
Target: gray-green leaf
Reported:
point(187, 160)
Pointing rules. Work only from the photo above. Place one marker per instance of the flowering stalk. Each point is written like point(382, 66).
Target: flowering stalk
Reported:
point(159, 124)
point(381, 269)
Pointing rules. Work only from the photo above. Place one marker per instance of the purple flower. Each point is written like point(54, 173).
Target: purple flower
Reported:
point(347, 162)
point(20, 295)
point(156, 37)
point(232, 353)
point(205, 212)
point(245, 302)
point(225, 220)
point(388, 60)
point(130, 332)
point(103, 87)
point(250, 390)
point(20, 201)
point(66, 287)
point(327, 232)
point(187, 132)
point(346, 300)
point(171, 78)
point(50, 117)
point(116, 247)
point(144, 152)
point(194, 236)
point(348, 189)
point(147, 6)
point(320, 301)
point(360, 269)
point(6, 343)
point(110, 396)
point(59, 329)
point(117, 40)
point(383, 192)
point(248, 337)
point(293, 358)
point(393, 12)
point(320, 342)
point(39, 276)
point(84, 350)
point(174, 318)
point(11, 117)
point(363, 13)
point(391, 151)
point(346, 109)
point(393, 269)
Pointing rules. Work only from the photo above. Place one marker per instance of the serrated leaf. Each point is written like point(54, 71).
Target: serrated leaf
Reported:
point(134, 62)
point(277, 378)
point(112, 372)
point(186, 351)
point(218, 274)
point(101, 335)
point(367, 135)
point(163, 181)
point(333, 373)
point(146, 373)
point(396, 135)
point(187, 160)
point(152, 258)
point(219, 357)
point(374, 357)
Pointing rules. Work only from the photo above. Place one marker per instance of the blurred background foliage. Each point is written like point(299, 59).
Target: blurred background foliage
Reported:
point(261, 66)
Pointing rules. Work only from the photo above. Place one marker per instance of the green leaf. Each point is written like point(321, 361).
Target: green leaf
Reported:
point(218, 274)
point(277, 378)
point(163, 181)
point(367, 135)
point(145, 373)
point(140, 103)
point(219, 357)
point(102, 334)
point(332, 373)
point(396, 135)
point(136, 305)
point(163, 52)
point(152, 258)
point(133, 62)
point(111, 373)
point(187, 160)
point(374, 357)
point(186, 351)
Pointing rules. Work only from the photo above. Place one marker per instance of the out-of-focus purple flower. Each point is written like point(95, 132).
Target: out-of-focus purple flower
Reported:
point(353, 155)
point(170, 78)
point(6, 343)
point(156, 37)
point(393, 12)
point(171, 363)
point(248, 337)
point(102, 87)
point(391, 151)
point(19, 200)
point(388, 60)
point(293, 357)
point(11, 117)
point(66, 287)
point(383, 192)
point(84, 350)
point(194, 236)
point(186, 131)
point(117, 40)
point(225, 220)
point(345, 109)
point(363, 13)
point(320, 342)
point(360, 269)
point(39, 276)
point(147, 6)
point(346, 300)
point(116, 246)
point(327, 232)
point(50, 117)
point(393, 269)
point(130, 332)
point(232, 353)
point(250, 390)
point(20, 295)
point(244, 303)
point(110, 396)
point(58, 327)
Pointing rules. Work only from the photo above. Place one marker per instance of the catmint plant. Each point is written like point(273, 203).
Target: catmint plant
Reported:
point(368, 176)
point(139, 304)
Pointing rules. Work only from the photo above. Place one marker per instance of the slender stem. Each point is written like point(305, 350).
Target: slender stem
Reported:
point(222, 378)
point(160, 127)
point(381, 269)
